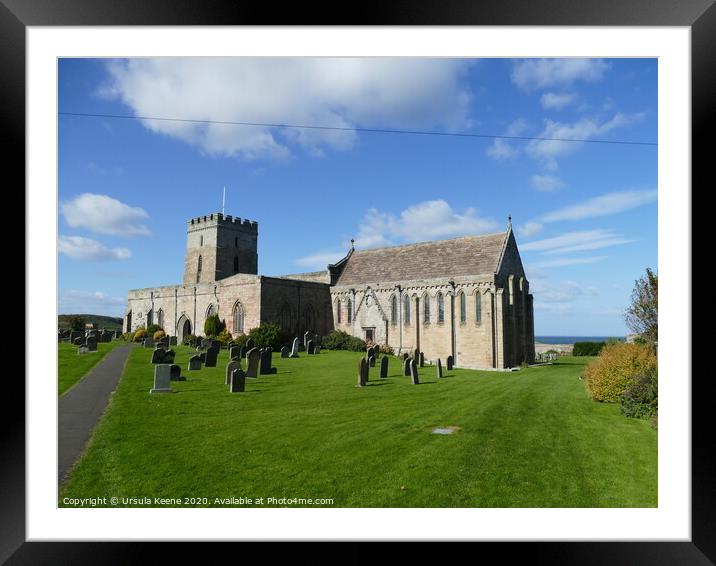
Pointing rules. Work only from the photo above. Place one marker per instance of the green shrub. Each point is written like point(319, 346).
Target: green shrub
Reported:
point(616, 369)
point(139, 334)
point(213, 326)
point(268, 335)
point(241, 339)
point(77, 322)
point(158, 334)
point(188, 339)
point(153, 328)
point(340, 340)
point(224, 337)
point(386, 350)
point(641, 401)
point(128, 336)
point(356, 344)
point(587, 348)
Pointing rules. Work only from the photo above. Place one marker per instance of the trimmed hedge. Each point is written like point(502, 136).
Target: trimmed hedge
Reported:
point(268, 335)
point(616, 370)
point(587, 348)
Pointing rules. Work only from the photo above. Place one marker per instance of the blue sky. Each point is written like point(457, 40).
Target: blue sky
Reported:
point(584, 214)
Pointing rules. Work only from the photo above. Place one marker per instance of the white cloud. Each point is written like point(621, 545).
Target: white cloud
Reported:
point(85, 249)
point(335, 92)
point(427, 220)
point(576, 241)
point(562, 262)
point(533, 74)
point(553, 101)
point(529, 229)
point(320, 260)
point(604, 205)
point(91, 302)
point(502, 149)
point(104, 215)
point(584, 129)
point(546, 183)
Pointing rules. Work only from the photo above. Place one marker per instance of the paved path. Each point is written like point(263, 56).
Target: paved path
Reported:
point(82, 406)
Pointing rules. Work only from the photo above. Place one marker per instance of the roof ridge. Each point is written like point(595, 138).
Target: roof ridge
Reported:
point(432, 242)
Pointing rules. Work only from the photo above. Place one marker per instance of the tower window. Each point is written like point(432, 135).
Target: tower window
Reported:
point(198, 270)
point(236, 264)
point(236, 241)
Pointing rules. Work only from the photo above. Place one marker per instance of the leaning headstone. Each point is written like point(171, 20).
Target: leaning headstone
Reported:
point(309, 347)
point(439, 368)
point(230, 367)
point(175, 373)
point(238, 381)
point(294, 350)
point(235, 353)
point(211, 355)
point(371, 361)
point(449, 363)
point(158, 356)
point(285, 352)
point(265, 362)
point(195, 363)
point(384, 366)
point(422, 360)
point(406, 366)
point(362, 373)
point(162, 379)
point(252, 362)
point(414, 372)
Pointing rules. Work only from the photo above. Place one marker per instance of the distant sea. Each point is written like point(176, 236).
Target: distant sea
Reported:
point(573, 339)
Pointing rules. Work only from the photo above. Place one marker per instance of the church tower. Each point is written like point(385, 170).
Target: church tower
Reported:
point(219, 246)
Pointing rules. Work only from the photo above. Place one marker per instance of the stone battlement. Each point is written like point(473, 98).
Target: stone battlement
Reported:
point(218, 218)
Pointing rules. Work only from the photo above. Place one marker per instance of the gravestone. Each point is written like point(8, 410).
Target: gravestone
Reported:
point(416, 355)
point(371, 361)
point(405, 356)
point(172, 340)
point(369, 352)
point(449, 363)
point(235, 353)
point(91, 344)
point(414, 372)
point(265, 361)
point(169, 356)
point(162, 379)
point(194, 363)
point(406, 366)
point(74, 335)
point(309, 347)
point(422, 360)
point(175, 373)
point(294, 350)
point(439, 368)
point(78, 341)
point(285, 352)
point(362, 373)
point(306, 338)
point(252, 362)
point(230, 367)
point(210, 357)
point(250, 344)
point(149, 342)
point(384, 366)
point(158, 356)
point(242, 351)
point(238, 381)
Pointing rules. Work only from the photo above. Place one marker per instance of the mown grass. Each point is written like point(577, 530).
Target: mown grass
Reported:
point(72, 367)
point(531, 438)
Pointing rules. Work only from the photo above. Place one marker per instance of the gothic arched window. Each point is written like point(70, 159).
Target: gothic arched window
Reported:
point(285, 318)
point(211, 311)
point(309, 317)
point(160, 318)
point(394, 310)
point(238, 318)
point(478, 307)
point(426, 309)
point(441, 308)
point(150, 318)
point(406, 309)
point(349, 306)
point(463, 308)
point(338, 311)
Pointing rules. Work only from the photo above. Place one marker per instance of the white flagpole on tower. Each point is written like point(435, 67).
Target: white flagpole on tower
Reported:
point(223, 201)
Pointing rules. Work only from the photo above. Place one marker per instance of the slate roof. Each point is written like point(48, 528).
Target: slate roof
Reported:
point(471, 255)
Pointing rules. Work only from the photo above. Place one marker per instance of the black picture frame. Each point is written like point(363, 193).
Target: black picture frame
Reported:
point(699, 15)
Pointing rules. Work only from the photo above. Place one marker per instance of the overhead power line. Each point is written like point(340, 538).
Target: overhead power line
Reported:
point(348, 129)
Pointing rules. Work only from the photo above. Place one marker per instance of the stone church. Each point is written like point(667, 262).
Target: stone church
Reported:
point(466, 297)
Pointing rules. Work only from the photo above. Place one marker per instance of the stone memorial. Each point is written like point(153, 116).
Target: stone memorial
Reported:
point(265, 362)
point(194, 363)
point(252, 362)
point(362, 373)
point(309, 347)
point(91, 344)
point(250, 344)
point(294, 350)
point(285, 352)
point(414, 372)
point(230, 367)
point(405, 356)
point(158, 356)
point(384, 366)
point(439, 368)
point(238, 381)
point(175, 373)
point(406, 367)
point(371, 361)
point(211, 355)
point(449, 363)
point(162, 379)
point(306, 338)
point(235, 353)
point(422, 360)
point(148, 342)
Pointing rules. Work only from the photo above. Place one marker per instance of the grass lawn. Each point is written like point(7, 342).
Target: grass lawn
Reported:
point(531, 438)
point(72, 367)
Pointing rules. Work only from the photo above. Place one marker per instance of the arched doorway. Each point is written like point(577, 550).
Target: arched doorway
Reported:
point(183, 328)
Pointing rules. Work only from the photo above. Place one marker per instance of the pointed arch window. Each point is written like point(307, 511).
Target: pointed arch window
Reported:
point(338, 311)
point(160, 318)
point(211, 311)
point(478, 307)
point(309, 317)
point(238, 316)
point(285, 318)
point(463, 308)
point(394, 310)
point(150, 318)
point(441, 308)
point(349, 307)
point(406, 309)
point(426, 309)
point(198, 269)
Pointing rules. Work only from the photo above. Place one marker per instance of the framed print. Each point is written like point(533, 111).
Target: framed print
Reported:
point(462, 215)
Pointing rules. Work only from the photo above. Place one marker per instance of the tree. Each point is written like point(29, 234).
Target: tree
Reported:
point(77, 322)
point(642, 315)
point(213, 326)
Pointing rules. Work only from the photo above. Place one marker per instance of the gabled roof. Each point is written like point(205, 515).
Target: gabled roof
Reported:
point(471, 255)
